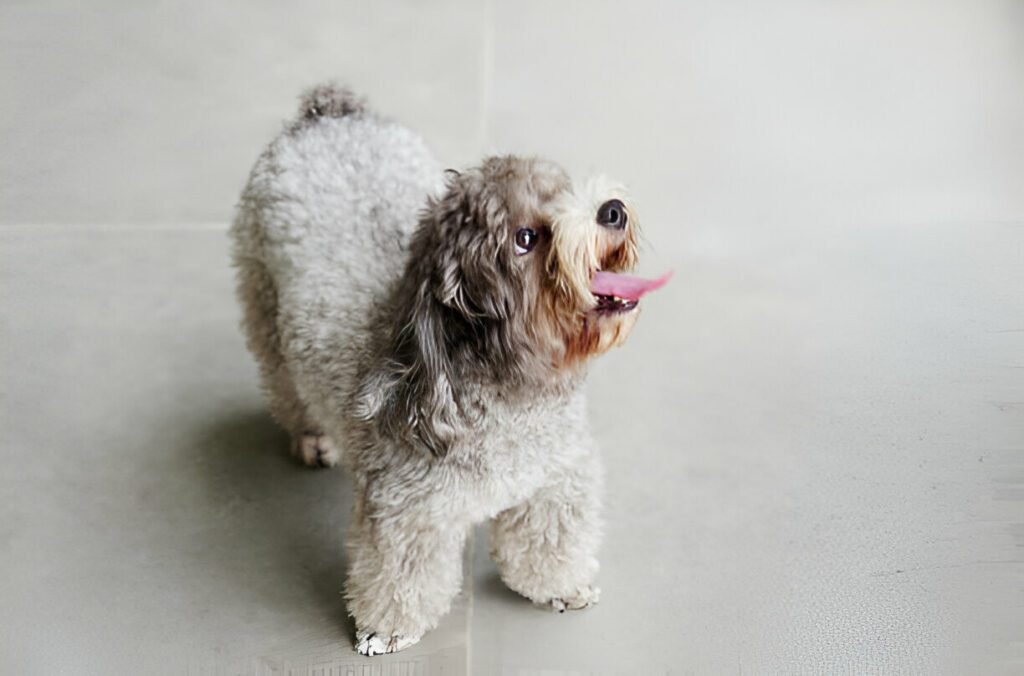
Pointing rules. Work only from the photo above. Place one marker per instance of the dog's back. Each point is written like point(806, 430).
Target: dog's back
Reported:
point(331, 203)
point(320, 234)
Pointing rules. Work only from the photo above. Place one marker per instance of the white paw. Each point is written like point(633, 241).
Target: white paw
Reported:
point(372, 644)
point(583, 598)
point(316, 450)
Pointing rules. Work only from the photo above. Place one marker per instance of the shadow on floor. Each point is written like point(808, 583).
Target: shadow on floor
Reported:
point(280, 526)
point(489, 584)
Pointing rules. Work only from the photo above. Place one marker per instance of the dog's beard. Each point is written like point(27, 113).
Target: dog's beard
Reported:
point(590, 305)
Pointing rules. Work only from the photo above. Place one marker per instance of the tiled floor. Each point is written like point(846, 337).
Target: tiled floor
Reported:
point(815, 437)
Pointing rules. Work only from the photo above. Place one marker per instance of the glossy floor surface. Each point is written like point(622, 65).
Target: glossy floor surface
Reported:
point(815, 436)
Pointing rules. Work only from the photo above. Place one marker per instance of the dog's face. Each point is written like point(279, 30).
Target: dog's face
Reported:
point(519, 244)
point(514, 275)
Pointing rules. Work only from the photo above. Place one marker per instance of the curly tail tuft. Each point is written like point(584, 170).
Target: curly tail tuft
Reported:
point(330, 100)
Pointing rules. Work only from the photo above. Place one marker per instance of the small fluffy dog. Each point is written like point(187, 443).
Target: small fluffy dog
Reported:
point(431, 330)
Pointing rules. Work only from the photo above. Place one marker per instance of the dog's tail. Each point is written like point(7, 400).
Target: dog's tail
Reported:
point(330, 100)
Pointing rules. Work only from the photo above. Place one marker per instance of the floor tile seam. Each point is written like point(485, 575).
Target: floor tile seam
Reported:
point(184, 226)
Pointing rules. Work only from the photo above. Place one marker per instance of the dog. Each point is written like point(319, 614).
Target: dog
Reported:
point(431, 330)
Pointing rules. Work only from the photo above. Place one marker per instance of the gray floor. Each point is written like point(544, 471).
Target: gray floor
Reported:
point(815, 437)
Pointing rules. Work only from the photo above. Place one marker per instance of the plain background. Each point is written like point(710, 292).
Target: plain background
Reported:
point(815, 437)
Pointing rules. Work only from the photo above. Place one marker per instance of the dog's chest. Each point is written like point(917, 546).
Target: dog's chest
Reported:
point(522, 440)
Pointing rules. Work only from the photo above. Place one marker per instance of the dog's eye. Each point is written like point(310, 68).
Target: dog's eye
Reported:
point(612, 214)
point(526, 239)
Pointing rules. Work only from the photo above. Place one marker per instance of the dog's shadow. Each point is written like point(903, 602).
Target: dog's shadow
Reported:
point(276, 526)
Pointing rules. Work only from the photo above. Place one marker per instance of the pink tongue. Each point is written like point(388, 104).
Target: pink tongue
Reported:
point(624, 286)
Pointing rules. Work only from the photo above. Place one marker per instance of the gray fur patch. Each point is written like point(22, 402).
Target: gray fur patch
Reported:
point(330, 100)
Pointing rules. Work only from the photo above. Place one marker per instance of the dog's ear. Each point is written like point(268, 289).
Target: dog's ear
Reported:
point(409, 392)
point(453, 314)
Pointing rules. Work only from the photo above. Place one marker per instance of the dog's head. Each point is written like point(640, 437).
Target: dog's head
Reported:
point(514, 276)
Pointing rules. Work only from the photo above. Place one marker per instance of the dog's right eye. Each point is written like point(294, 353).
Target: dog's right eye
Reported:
point(526, 239)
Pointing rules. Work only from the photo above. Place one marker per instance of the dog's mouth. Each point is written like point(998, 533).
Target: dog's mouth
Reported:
point(617, 293)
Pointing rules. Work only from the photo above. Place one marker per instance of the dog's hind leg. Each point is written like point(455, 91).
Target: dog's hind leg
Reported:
point(258, 295)
point(315, 449)
point(546, 547)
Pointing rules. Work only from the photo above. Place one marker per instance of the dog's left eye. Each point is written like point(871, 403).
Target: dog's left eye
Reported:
point(526, 239)
point(612, 214)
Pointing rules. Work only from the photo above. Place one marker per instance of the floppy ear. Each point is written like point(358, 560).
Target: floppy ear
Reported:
point(453, 312)
point(408, 392)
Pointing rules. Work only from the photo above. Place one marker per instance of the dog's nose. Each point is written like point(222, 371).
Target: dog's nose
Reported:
point(612, 214)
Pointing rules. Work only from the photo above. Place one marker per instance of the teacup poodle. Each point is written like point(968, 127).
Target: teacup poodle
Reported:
point(431, 330)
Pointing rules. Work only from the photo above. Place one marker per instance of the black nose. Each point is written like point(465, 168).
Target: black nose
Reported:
point(612, 214)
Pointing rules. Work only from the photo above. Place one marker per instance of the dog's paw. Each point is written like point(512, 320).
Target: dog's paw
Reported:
point(372, 644)
point(583, 598)
point(316, 450)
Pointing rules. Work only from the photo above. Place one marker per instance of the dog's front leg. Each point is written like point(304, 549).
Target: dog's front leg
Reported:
point(546, 547)
point(406, 569)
